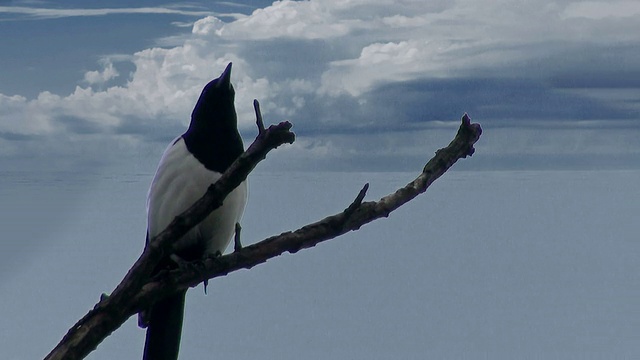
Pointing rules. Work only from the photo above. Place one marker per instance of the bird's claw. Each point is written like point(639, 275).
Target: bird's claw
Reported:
point(182, 264)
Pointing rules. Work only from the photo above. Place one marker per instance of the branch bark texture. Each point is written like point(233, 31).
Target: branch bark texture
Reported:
point(137, 291)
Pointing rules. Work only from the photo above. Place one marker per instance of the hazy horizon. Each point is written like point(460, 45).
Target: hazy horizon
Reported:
point(496, 264)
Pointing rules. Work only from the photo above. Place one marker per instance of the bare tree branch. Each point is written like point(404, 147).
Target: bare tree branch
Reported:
point(358, 213)
point(114, 310)
point(111, 312)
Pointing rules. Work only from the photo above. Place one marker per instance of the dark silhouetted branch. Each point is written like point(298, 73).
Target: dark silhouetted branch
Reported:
point(114, 310)
point(137, 292)
point(358, 213)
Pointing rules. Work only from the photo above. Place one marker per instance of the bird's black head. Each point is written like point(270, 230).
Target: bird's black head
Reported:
point(213, 136)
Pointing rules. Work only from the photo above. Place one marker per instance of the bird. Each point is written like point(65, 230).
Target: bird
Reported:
point(192, 162)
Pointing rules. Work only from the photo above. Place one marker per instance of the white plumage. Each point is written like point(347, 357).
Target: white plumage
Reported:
point(179, 182)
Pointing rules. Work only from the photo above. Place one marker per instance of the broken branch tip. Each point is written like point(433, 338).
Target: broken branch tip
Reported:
point(259, 122)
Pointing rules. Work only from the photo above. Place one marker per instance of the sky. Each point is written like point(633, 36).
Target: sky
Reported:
point(368, 85)
point(484, 265)
point(541, 264)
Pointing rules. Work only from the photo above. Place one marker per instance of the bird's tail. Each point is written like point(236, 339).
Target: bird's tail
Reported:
point(165, 328)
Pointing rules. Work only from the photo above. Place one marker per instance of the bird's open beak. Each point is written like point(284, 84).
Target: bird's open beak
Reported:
point(225, 78)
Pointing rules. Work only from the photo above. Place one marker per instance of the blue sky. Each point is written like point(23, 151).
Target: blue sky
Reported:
point(368, 84)
point(542, 263)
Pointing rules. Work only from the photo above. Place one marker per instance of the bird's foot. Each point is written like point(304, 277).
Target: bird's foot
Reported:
point(143, 319)
point(213, 256)
point(179, 261)
point(191, 266)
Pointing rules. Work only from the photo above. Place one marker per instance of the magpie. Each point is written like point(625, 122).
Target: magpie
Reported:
point(192, 162)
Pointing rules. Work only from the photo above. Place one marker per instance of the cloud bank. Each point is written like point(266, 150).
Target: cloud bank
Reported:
point(369, 84)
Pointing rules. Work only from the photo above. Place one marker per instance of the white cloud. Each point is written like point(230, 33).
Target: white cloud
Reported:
point(383, 62)
point(317, 61)
point(398, 21)
point(101, 77)
point(48, 13)
point(289, 19)
point(207, 25)
point(161, 92)
point(182, 24)
point(19, 119)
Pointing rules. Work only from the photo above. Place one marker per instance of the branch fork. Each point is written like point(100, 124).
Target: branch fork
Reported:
point(137, 291)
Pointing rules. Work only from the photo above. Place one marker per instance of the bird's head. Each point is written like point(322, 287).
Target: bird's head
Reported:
point(213, 136)
point(215, 109)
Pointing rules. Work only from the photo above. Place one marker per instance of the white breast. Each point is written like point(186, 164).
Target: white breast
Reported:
point(179, 182)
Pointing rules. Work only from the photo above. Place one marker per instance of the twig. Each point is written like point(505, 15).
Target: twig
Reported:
point(237, 244)
point(259, 122)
